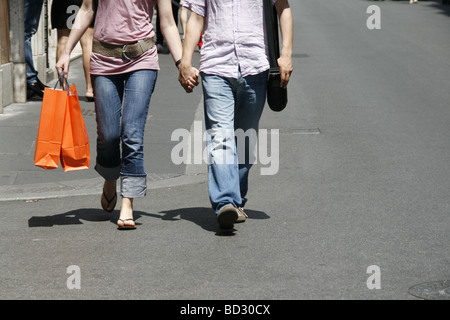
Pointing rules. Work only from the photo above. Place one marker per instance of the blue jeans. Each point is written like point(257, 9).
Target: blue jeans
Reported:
point(32, 15)
point(231, 104)
point(122, 127)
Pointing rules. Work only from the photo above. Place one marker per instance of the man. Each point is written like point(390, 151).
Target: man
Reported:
point(32, 14)
point(234, 69)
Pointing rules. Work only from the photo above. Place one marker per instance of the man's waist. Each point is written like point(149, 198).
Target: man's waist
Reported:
point(233, 72)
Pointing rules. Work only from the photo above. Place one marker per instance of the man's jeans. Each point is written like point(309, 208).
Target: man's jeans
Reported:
point(231, 104)
point(134, 90)
point(32, 14)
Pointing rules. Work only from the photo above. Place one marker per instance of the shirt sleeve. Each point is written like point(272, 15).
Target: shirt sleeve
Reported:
point(197, 6)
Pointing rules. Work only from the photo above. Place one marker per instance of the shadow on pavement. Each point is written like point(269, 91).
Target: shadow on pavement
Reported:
point(205, 218)
point(75, 217)
point(201, 216)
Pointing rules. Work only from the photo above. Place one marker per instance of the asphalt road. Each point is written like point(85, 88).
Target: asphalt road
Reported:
point(358, 207)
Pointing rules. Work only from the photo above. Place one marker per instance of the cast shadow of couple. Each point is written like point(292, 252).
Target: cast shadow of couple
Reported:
point(201, 216)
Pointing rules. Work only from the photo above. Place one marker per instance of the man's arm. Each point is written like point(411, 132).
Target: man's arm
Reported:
point(287, 30)
point(188, 75)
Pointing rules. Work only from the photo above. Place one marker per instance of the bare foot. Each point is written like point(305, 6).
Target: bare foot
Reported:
point(109, 196)
point(126, 214)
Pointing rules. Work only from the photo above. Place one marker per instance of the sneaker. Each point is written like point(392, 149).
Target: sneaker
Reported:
point(242, 216)
point(226, 217)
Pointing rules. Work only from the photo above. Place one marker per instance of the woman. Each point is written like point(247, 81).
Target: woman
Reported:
point(62, 18)
point(124, 67)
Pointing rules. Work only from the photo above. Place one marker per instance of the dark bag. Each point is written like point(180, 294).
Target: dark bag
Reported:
point(276, 95)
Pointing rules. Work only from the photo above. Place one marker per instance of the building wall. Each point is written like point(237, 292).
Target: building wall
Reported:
point(12, 68)
point(44, 43)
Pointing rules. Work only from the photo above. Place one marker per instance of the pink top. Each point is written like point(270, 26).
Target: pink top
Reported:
point(120, 22)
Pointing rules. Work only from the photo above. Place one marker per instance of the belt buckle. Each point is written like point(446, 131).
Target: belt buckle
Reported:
point(124, 54)
point(124, 48)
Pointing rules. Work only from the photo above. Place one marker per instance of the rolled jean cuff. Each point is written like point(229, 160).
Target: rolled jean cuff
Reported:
point(133, 186)
point(108, 173)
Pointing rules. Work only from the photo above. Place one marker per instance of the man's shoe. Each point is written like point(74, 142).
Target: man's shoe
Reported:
point(30, 93)
point(41, 85)
point(242, 216)
point(226, 217)
point(35, 88)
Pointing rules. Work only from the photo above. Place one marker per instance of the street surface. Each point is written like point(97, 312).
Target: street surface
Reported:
point(358, 207)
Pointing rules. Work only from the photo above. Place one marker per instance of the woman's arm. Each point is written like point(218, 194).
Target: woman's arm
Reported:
point(169, 29)
point(83, 20)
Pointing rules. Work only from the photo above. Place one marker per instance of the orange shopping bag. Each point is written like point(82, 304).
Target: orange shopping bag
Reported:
point(75, 152)
point(48, 143)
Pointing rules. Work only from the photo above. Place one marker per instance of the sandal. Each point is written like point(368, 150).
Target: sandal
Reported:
point(108, 207)
point(126, 226)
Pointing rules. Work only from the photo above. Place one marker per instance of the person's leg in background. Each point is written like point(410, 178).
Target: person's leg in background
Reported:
point(86, 45)
point(32, 14)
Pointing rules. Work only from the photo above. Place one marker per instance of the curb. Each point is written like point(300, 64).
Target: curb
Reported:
point(194, 174)
point(86, 187)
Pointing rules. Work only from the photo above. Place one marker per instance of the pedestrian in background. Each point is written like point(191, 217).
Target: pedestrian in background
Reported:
point(234, 69)
point(124, 68)
point(63, 13)
point(32, 15)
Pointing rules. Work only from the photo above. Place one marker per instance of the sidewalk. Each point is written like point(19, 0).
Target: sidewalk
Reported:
point(21, 180)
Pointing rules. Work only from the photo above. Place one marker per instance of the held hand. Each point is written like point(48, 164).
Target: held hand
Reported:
point(63, 64)
point(194, 81)
point(188, 77)
point(285, 65)
point(188, 82)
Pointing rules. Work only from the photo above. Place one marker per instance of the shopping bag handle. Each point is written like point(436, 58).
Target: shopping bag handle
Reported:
point(65, 88)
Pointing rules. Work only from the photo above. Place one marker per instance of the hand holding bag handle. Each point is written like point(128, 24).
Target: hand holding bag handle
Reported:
point(63, 82)
point(276, 95)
